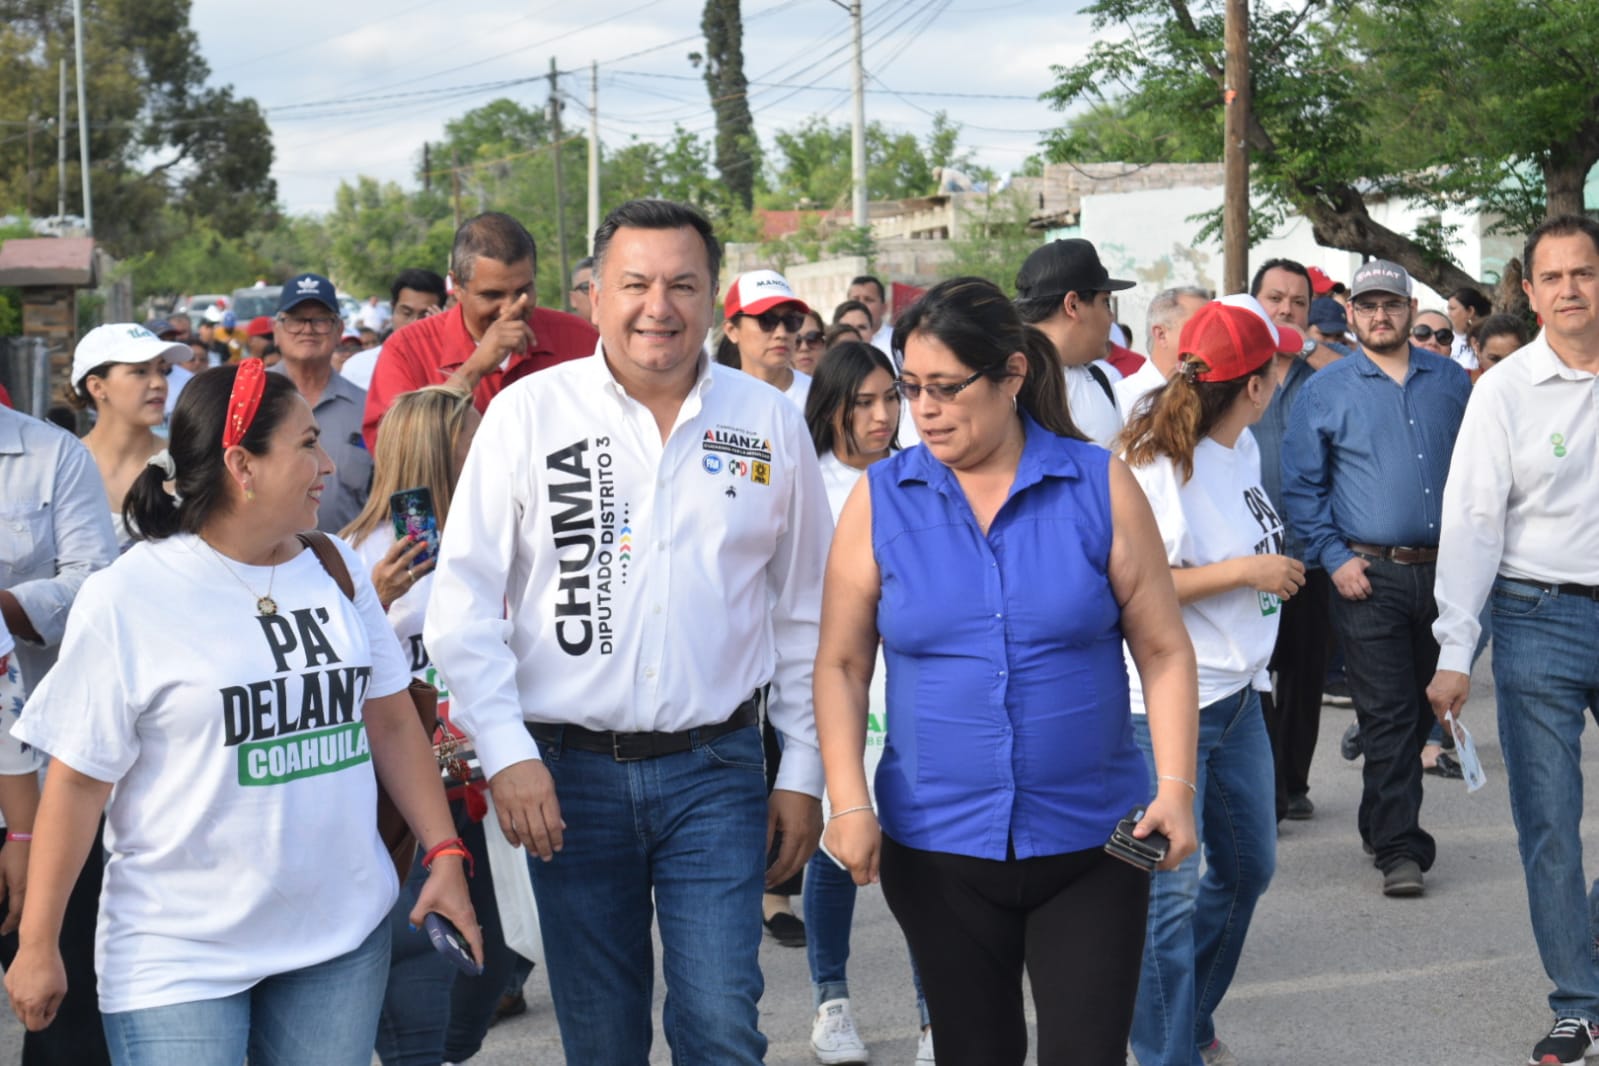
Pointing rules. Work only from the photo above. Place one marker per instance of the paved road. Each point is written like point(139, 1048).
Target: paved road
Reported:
point(1334, 973)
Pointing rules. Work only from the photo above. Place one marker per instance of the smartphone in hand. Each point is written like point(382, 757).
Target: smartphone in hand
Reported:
point(448, 941)
point(411, 511)
point(1146, 854)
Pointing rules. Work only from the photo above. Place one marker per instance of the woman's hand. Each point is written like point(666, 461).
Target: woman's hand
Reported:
point(445, 893)
point(36, 981)
point(1171, 813)
point(397, 572)
point(856, 840)
point(1277, 575)
point(13, 882)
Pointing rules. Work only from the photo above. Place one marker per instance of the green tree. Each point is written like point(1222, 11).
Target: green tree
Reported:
point(812, 166)
point(738, 150)
point(376, 230)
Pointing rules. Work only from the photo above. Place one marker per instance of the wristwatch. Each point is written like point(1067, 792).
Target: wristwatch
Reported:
point(1307, 349)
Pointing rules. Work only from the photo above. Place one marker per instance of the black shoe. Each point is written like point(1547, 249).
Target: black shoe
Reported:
point(1350, 747)
point(1336, 693)
point(1300, 809)
point(1404, 879)
point(786, 929)
point(1446, 766)
point(1567, 1044)
point(511, 1004)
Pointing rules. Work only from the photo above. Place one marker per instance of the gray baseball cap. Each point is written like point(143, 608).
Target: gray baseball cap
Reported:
point(1379, 275)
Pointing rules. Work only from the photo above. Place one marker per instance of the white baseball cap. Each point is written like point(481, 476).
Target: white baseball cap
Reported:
point(122, 342)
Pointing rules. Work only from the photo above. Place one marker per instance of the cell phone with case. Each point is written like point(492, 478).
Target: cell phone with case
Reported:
point(1146, 854)
point(448, 941)
point(411, 511)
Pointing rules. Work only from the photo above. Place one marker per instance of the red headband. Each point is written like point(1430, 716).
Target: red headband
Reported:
point(244, 401)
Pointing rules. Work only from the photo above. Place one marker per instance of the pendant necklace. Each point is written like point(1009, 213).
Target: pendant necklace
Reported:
point(264, 605)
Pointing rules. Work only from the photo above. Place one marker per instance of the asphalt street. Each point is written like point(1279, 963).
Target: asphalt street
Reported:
point(1333, 974)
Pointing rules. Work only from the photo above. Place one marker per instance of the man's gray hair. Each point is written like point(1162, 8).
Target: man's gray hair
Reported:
point(1164, 308)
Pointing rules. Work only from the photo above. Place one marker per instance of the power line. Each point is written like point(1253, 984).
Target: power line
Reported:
point(790, 84)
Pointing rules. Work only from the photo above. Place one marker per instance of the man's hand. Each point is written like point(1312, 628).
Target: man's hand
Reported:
point(509, 334)
point(1448, 693)
point(799, 818)
point(530, 815)
point(1350, 579)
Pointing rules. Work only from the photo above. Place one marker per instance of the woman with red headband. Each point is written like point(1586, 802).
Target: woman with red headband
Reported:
point(244, 708)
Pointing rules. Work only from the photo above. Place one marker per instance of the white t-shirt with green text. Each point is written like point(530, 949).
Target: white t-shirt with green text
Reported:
point(240, 833)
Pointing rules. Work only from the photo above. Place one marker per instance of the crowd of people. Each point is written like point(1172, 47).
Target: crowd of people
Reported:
point(722, 601)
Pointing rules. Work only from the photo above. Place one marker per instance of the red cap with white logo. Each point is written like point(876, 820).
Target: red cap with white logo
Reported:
point(760, 290)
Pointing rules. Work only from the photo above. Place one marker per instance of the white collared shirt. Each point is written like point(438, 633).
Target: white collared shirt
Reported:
point(592, 575)
point(1129, 390)
point(1522, 497)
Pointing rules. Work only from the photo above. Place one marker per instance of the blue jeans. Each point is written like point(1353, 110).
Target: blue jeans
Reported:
point(684, 835)
point(829, 912)
point(326, 1014)
point(1197, 924)
point(1546, 673)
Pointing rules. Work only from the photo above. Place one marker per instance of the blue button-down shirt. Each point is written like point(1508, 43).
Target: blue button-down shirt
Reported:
point(1268, 434)
point(1365, 458)
point(1007, 696)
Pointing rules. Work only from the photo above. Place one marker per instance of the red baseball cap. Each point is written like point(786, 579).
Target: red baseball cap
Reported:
point(1233, 337)
point(260, 326)
point(760, 290)
point(1320, 283)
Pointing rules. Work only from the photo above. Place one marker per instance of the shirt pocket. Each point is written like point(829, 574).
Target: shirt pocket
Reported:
point(26, 540)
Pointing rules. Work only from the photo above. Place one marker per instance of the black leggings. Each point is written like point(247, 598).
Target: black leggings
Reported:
point(1076, 921)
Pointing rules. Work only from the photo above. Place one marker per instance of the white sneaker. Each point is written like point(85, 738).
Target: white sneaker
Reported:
point(924, 1048)
point(833, 1035)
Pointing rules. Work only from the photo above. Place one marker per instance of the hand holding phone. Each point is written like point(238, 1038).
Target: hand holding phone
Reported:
point(411, 511)
point(1145, 854)
point(448, 941)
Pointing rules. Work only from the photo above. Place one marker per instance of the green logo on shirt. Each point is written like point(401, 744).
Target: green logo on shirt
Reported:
point(1559, 441)
point(272, 762)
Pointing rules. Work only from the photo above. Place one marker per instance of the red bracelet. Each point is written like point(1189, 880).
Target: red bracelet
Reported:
point(452, 846)
point(21, 838)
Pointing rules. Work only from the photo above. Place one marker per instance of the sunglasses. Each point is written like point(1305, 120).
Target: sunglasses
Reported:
point(1445, 337)
point(770, 320)
point(811, 339)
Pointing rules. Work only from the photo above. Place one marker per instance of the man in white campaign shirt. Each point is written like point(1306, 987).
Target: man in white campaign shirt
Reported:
point(1520, 532)
point(636, 548)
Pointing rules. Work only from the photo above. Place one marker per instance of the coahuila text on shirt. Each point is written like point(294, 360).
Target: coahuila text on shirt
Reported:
point(582, 605)
point(281, 739)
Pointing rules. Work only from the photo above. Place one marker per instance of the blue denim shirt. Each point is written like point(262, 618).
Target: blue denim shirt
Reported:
point(1365, 458)
point(1007, 696)
point(55, 529)
point(1268, 433)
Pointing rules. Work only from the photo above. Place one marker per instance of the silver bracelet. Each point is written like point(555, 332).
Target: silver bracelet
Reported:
point(852, 810)
point(1180, 780)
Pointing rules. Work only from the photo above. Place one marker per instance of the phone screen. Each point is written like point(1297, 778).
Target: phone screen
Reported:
point(411, 510)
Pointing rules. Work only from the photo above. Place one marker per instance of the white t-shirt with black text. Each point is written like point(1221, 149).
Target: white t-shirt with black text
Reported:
point(240, 835)
point(1221, 513)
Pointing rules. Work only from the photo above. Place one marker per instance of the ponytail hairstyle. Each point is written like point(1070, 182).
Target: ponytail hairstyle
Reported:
point(195, 444)
point(972, 318)
point(1173, 419)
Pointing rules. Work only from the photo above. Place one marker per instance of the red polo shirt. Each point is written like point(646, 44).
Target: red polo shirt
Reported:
point(428, 351)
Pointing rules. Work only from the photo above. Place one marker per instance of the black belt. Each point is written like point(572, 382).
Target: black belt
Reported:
point(1590, 592)
point(630, 747)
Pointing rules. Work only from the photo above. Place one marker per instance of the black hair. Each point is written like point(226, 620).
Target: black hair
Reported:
point(1472, 300)
point(586, 263)
point(77, 396)
point(727, 352)
point(493, 235)
point(658, 214)
point(867, 279)
point(837, 332)
point(972, 318)
point(1558, 226)
point(1499, 325)
point(1035, 309)
point(1293, 266)
point(846, 307)
point(196, 447)
point(835, 380)
point(418, 280)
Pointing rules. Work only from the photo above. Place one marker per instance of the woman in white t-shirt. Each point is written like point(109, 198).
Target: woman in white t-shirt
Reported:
point(1188, 444)
point(764, 319)
point(119, 372)
point(232, 704)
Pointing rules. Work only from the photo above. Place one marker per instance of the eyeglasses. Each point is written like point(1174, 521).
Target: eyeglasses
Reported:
point(1445, 337)
point(810, 339)
point(1391, 308)
point(582, 287)
point(938, 391)
point(320, 326)
point(770, 320)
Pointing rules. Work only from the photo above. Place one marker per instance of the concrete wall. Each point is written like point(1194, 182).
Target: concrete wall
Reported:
point(825, 284)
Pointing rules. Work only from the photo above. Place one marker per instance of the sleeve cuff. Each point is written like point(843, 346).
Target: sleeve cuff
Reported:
point(1455, 658)
point(1335, 555)
point(504, 744)
point(801, 768)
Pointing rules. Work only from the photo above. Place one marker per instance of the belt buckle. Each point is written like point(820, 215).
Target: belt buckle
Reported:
point(623, 752)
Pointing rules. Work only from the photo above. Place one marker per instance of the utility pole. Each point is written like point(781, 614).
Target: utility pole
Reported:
point(857, 144)
point(560, 193)
point(594, 155)
point(455, 184)
point(27, 208)
point(61, 146)
point(1235, 206)
point(83, 118)
point(427, 167)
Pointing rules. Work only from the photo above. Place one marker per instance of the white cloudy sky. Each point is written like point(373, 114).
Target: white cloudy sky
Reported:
point(355, 86)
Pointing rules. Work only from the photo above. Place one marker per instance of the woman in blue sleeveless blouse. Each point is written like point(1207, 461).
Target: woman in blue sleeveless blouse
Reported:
point(1003, 563)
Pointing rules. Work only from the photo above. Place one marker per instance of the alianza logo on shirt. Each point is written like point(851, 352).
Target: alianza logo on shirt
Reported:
point(583, 521)
point(281, 738)
point(1270, 543)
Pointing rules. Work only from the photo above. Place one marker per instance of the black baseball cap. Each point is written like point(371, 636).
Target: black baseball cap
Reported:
point(1063, 266)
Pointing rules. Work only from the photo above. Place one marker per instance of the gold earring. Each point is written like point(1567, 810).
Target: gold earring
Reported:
point(249, 493)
